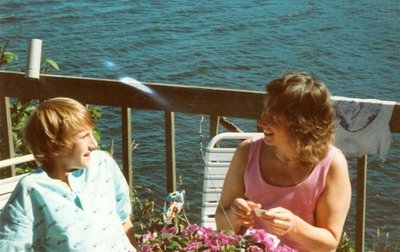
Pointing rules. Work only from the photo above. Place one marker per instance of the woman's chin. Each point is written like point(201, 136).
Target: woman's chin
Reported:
point(269, 139)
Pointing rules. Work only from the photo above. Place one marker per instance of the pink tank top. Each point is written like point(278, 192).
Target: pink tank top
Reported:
point(300, 199)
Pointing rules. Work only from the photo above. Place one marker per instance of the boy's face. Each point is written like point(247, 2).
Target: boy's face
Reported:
point(78, 155)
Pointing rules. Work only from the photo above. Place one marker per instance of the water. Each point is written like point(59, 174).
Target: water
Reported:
point(353, 46)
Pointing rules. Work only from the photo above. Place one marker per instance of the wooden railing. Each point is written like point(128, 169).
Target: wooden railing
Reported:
point(214, 102)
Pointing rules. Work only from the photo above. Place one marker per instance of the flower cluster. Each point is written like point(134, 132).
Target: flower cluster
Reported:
point(196, 238)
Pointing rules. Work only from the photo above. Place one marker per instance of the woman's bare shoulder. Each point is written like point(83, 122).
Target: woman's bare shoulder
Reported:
point(245, 143)
point(339, 168)
point(339, 161)
point(242, 150)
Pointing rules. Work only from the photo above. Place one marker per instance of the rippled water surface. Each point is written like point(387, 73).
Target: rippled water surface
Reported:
point(353, 46)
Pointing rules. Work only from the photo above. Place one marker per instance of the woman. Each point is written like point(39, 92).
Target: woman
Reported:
point(293, 173)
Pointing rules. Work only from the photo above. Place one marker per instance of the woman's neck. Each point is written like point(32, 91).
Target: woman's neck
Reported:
point(284, 155)
point(282, 171)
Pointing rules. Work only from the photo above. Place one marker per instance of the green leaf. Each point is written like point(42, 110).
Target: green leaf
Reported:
point(52, 63)
point(174, 245)
point(9, 56)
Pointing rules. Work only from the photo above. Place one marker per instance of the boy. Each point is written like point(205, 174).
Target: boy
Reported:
point(78, 200)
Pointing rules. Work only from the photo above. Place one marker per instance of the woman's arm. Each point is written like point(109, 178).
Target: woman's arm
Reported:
point(334, 203)
point(233, 210)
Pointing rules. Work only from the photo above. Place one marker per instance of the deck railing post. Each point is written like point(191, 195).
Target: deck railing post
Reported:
point(361, 200)
point(34, 59)
point(6, 142)
point(214, 125)
point(170, 150)
point(126, 121)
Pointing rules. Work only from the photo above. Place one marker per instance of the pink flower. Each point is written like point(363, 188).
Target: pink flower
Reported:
point(147, 236)
point(192, 246)
point(171, 230)
point(254, 248)
point(197, 238)
point(226, 239)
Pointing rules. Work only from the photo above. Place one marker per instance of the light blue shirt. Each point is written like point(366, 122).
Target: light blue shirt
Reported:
point(42, 214)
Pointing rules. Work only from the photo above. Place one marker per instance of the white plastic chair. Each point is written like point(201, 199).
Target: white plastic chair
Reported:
point(7, 185)
point(217, 161)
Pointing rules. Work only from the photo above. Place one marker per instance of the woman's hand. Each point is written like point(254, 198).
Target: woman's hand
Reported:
point(242, 210)
point(278, 221)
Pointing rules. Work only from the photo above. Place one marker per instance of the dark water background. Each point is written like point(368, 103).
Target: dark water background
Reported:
point(353, 46)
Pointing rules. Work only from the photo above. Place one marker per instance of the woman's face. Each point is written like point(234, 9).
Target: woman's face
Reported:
point(276, 129)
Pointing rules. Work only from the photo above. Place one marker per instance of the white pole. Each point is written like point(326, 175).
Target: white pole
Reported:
point(34, 58)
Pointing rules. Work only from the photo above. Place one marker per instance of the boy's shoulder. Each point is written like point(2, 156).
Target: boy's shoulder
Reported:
point(100, 162)
point(100, 153)
point(99, 156)
point(28, 182)
point(33, 177)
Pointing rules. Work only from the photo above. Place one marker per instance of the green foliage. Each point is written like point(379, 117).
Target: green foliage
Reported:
point(381, 242)
point(146, 216)
point(96, 115)
point(20, 111)
point(6, 59)
point(48, 65)
point(344, 244)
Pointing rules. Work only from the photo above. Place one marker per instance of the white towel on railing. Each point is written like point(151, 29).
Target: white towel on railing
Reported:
point(363, 126)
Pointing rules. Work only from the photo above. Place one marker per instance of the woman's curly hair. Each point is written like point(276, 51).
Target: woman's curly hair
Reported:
point(307, 107)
